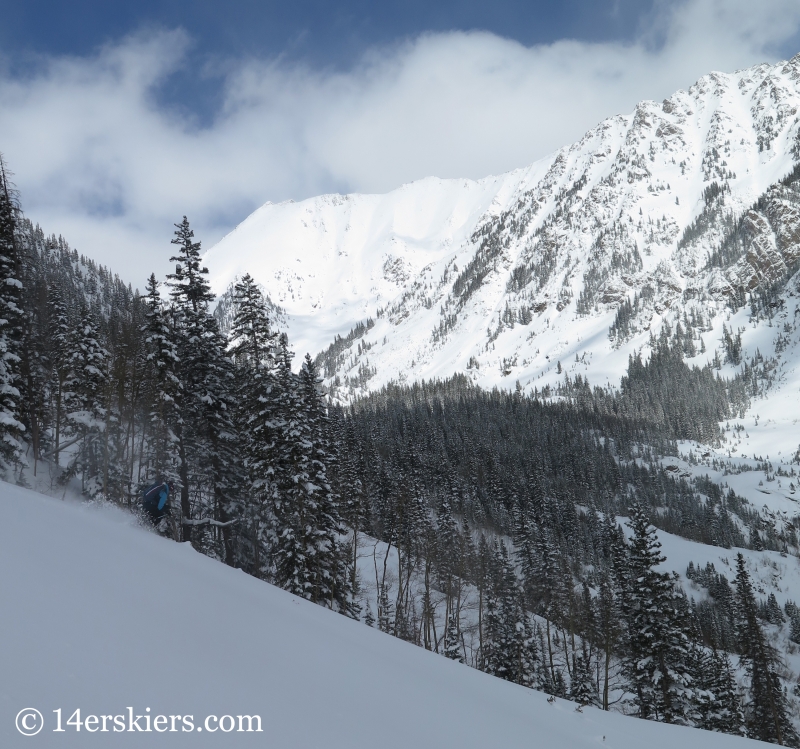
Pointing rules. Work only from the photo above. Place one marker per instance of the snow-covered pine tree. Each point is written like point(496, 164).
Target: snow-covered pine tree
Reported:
point(495, 634)
point(307, 555)
point(546, 589)
point(524, 538)
point(163, 390)
point(583, 687)
point(252, 339)
point(509, 643)
point(87, 411)
point(353, 500)
point(426, 550)
point(189, 297)
point(253, 347)
point(11, 328)
point(208, 435)
point(718, 700)
point(609, 626)
point(385, 609)
point(767, 713)
point(60, 329)
point(793, 612)
point(190, 288)
point(292, 568)
point(220, 439)
point(452, 639)
point(36, 367)
point(409, 528)
point(331, 577)
point(658, 648)
point(114, 470)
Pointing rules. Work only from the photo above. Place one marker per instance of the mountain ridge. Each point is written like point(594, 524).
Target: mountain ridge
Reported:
point(673, 214)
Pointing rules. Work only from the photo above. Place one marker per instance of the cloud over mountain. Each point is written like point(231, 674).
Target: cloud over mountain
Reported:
point(97, 156)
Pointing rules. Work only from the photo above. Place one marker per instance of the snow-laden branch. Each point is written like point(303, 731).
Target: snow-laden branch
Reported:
point(62, 446)
point(208, 521)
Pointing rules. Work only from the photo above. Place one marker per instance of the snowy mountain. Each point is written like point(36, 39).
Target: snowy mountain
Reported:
point(163, 630)
point(484, 526)
point(673, 213)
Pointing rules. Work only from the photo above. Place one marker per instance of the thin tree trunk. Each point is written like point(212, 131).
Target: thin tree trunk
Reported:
point(607, 666)
point(183, 472)
point(58, 416)
point(354, 581)
point(550, 651)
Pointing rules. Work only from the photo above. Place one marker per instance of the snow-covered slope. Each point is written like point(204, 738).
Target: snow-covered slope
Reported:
point(100, 615)
point(331, 261)
point(507, 276)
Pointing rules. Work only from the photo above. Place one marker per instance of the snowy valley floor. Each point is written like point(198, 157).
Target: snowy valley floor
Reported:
point(101, 615)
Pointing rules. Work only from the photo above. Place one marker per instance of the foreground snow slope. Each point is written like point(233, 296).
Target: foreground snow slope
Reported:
point(101, 615)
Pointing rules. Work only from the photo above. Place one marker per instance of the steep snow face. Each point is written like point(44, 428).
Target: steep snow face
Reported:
point(332, 261)
point(101, 616)
point(505, 278)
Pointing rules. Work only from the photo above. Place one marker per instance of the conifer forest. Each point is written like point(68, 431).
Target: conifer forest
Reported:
point(515, 532)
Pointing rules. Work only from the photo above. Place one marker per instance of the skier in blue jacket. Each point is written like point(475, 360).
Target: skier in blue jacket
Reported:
point(155, 501)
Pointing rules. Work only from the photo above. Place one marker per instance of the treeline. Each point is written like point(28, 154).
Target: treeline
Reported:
point(672, 398)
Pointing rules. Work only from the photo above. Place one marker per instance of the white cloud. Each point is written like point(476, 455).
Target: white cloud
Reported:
point(99, 162)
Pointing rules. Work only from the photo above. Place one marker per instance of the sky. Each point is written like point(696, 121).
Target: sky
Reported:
point(119, 118)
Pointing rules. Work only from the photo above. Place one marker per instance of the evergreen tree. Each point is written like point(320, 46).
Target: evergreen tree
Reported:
point(719, 703)
point(767, 712)
point(87, 404)
point(658, 648)
point(332, 582)
point(509, 643)
point(385, 610)
point(452, 639)
point(308, 559)
point(11, 328)
point(164, 390)
point(206, 432)
point(252, 340)
point(448, 543)
point(609, 626)
point(258, 418)
point(353, 499)
point(583, 688)
point(190, 289)
point(60, 329)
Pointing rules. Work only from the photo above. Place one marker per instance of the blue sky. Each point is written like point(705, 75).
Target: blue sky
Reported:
point(118, 118)
point(318, 30)
point(319, 33)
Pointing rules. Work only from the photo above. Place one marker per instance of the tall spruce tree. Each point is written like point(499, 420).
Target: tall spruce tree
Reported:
point(207, 435)
point(252, 339)
point(509, 643)
point(583, 687)
point(767, 713)
point(87, 411)
point(253, 347)
point(11, 328)
point(350, 487)
point(163, 390)
point(293, 568)
point(60, 330)
point(658, 647)
point(330, 560)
